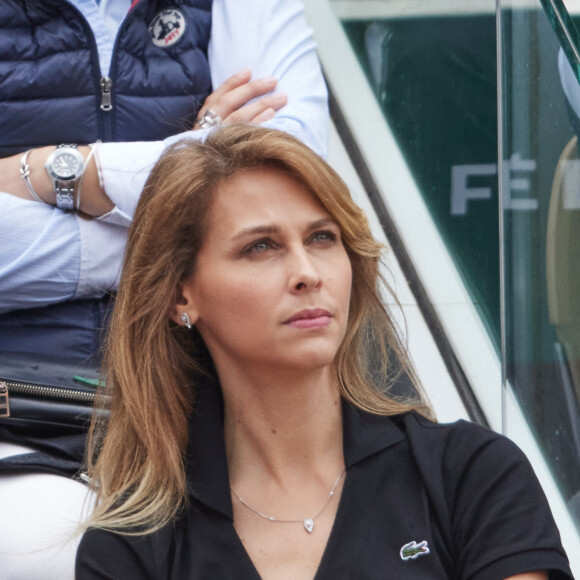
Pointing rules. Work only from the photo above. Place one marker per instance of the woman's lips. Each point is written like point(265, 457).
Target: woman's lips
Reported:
point(310, 318)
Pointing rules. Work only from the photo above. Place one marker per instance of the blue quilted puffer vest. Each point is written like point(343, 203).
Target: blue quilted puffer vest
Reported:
point(52, 91)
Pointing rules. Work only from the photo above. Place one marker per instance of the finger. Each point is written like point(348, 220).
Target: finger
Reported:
point(264, 116)
point(231, 83)
point(228, 85)
point(249, 112)
point(235, 93)
point(233, 100)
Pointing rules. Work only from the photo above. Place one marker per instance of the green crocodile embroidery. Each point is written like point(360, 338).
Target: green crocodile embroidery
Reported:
point(413, 550)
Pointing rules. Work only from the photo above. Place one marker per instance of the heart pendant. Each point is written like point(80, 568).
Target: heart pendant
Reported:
point(309, 525)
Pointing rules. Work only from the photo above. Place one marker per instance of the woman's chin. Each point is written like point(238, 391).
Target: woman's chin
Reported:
point(310, 360)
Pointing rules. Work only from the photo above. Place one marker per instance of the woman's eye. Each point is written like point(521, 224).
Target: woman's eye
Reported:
point(324, 237)
point(258, 247)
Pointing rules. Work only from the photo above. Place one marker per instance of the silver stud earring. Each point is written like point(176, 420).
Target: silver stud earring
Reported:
point(185, 319)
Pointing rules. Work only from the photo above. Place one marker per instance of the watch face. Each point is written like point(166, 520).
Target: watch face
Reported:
point(66, 165)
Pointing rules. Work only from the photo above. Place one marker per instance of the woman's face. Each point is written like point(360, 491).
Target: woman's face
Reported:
point(272, 281)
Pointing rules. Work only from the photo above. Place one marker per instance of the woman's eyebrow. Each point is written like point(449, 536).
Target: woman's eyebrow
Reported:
point(256, 230)
point(322, 223)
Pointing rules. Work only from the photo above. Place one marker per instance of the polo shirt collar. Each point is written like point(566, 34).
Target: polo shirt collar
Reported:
point(364, 435)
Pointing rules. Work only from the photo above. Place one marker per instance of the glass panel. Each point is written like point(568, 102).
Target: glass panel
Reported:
point(433, 71)
point(432, 66)
point(541, 224)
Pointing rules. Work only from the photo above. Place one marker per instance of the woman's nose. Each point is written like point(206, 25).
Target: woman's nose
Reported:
point(304, 275)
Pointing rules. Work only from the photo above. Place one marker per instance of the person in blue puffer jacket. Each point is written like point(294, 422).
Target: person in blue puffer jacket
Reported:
point(116, 82)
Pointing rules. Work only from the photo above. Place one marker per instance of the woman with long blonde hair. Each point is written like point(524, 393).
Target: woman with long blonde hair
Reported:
point(250, 424)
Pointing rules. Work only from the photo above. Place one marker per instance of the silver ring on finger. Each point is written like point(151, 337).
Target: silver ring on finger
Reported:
point(209, 119)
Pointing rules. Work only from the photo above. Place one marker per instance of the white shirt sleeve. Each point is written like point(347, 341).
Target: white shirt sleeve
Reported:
point(65, 256)
point(41, 253)
point(271, 37)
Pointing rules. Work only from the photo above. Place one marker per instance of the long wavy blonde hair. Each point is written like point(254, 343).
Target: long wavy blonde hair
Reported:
point(136, 452)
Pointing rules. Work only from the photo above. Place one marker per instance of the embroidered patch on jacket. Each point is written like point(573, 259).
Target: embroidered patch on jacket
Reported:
point(413, 550)
point(167, 27)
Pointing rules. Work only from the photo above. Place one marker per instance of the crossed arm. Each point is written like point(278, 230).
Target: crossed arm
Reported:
point(48, 256)
point(238, 100)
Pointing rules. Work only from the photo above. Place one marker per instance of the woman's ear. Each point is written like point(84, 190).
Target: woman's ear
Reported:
point(184, 303)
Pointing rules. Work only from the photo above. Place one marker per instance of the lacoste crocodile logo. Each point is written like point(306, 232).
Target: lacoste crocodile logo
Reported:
point(413, 550)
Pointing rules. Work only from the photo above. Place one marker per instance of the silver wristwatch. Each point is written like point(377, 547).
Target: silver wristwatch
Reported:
point(65, 166)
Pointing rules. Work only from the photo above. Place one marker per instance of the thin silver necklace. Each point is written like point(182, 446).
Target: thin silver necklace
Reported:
point(308, 523)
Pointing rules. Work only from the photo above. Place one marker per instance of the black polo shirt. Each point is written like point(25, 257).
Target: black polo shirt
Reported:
point(420, 501)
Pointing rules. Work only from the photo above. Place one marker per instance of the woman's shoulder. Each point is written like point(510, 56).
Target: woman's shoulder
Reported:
point(448, 445)
point(453, 449)
point(416, 422)
point(462, 434)
point(459, 456)
point(474, 483)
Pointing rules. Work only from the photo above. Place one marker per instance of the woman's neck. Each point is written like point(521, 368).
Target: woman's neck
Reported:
point(286, 427)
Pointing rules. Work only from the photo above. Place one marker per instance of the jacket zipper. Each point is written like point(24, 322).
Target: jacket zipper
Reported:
point(9, 388)
point(106, 101)
point(105, 83)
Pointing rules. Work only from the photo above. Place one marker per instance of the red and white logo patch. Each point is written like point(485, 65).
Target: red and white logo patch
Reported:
point(167, 27)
